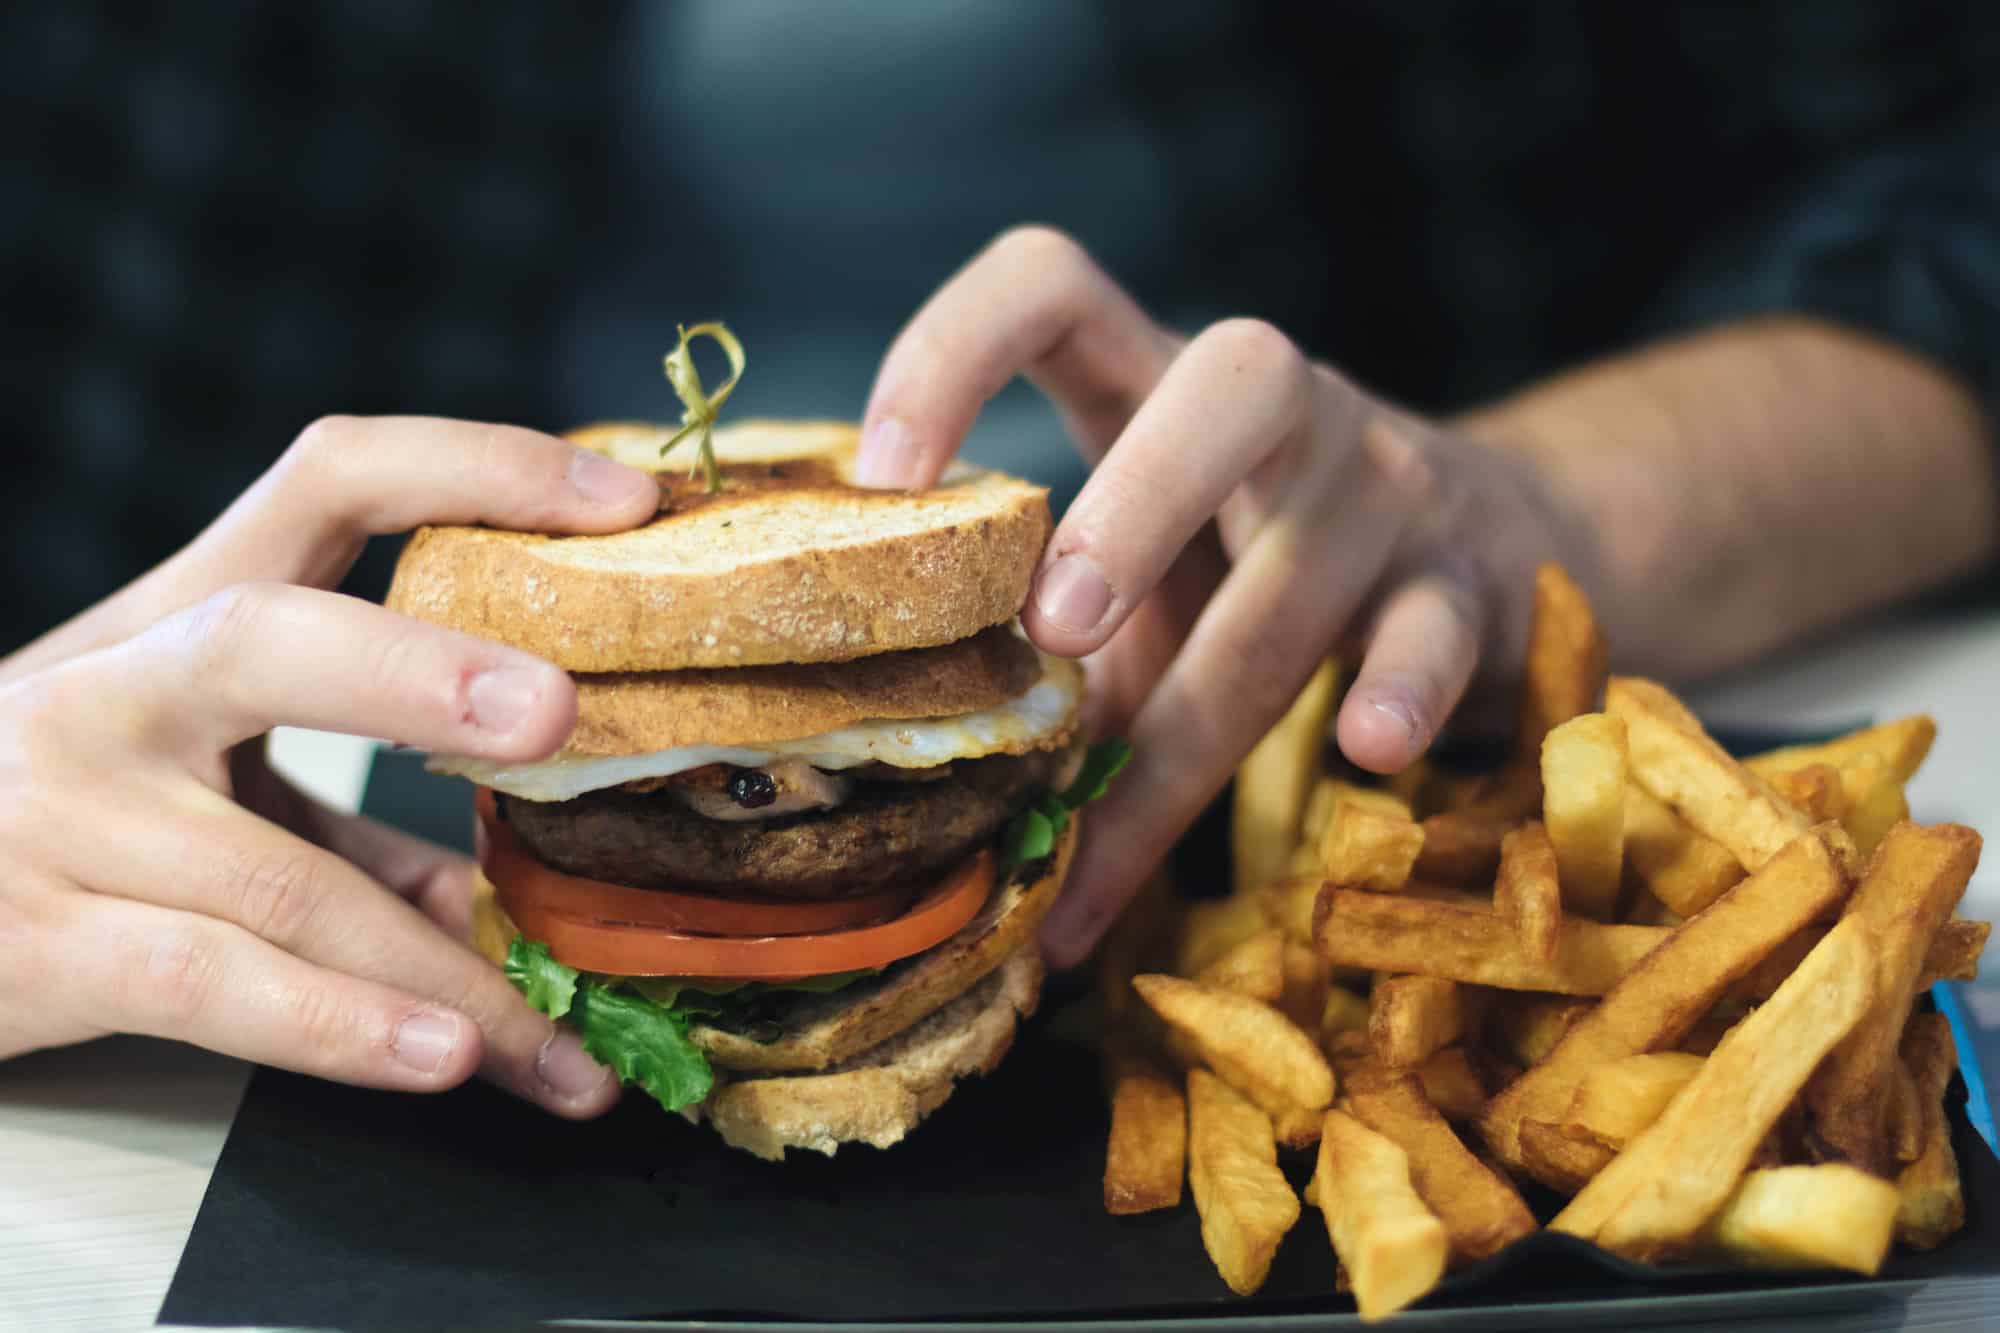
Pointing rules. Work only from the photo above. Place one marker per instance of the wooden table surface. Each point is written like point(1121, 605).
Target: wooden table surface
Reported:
point(105, 1149)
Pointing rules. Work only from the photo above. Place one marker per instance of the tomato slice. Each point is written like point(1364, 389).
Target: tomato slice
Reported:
point(578, 935)
point(525, 882)
point(651, 951)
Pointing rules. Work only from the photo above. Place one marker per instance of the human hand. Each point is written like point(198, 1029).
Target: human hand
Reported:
point(157, 877)
point(1248, 512)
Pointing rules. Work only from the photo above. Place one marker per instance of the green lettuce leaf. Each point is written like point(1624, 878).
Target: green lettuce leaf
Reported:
point(548, 985)
point(643, 1042)
point(1031, 835)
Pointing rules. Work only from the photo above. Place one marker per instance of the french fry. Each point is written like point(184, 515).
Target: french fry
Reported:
point(1307, 978)
point(1482, 1213)
point(1146, 1155)
point(1526, 890)
point(1412, 1018)
point(1397, 933)
point(1247, 1042)
point(1654, 1197)
point(1814, 790)
point(1393, 1247)
point(1255, 967)
point(1683, 767)
point(1370, 841)
point(1831, 1216)
point(1460, 848)
point(1454, 1083)
point(1902, 744)
point(1913, 882)
point(1211, 927)
point(1287, 902)
point(1931, 1204)
point(1677, 865)
point(1273, 781)
point(1662, 997)
point(1344, 1012)
point(1616, 1101)
point(1875, 800)
point(1567, 658)
point(1643, 909)
point(1525, 1028)
point(1560, 1156)
point(1953, 956)
point(1583, 805)
point(1246, 1206)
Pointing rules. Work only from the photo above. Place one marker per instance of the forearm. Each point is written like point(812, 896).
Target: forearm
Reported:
point(1754, 483)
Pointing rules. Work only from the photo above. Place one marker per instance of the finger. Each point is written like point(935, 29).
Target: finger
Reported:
point(255, 656)
point(1296, 585)
point(234, 868)
point(437, 880)
point(1122, 673)
point(1420, 658)
point(141, 968)
point(1031, 303)
point(346, 479)
point(1238, 396)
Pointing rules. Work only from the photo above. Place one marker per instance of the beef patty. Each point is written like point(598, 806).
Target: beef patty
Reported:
point(883, 832)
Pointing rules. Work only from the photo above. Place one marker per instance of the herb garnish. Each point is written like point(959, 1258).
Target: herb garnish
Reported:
point(1032, 834)
point(699, 407)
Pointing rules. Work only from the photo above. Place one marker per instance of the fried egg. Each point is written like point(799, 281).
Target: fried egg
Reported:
point(1039, 718)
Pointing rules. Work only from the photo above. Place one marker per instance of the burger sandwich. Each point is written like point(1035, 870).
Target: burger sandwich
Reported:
point(786, 872)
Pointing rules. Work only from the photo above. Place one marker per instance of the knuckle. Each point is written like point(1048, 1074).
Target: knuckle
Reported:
point(279, 897)
point(1258, 345)
point(177, 974)
point(1036, 245)
point(317, 453)
point(320, 1020)
point(218, 627)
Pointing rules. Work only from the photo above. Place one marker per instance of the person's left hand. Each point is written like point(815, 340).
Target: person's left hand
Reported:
point(1249, 512)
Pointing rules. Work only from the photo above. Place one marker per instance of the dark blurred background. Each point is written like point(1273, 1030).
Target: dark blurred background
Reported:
point(224, 219)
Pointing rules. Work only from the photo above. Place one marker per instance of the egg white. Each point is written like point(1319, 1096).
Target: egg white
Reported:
point(1025, 722)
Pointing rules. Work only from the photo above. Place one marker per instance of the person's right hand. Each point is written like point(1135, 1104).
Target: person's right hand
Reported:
point(157, 877)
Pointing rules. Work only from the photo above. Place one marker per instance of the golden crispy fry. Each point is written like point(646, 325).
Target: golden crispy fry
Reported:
point(1525, 1028)
point(1953, 956)
point(1583, 804)
point(1460, 848)
point(1913, 882)
point(1248, 1043)
point(1370, 841)
point(1643, 909)
point(1617, 1100)
point(1567, 658)
point(1410, 1019)
point(1875, 800)
point(1392, 1246)
point(1245, 1205)
point(1273, 781)
point(1902, 744)
point(1653, 1198)
point(1527, 889)
point(1508, 796)
point(1560, 1156)
point(1255, 967)
point(1456, 1083)
point(1344, 1012)
point(1481, 1212)
point(1307, 979)
point(1405, 934)
point(1814, 790)
point(1932, 1200)
point(1296, 1126)
point(1677, 865)
point(1413, 783)
point(1212, 927)
point(1288, 902)
point(1656, 1004)
point(1146, 1155)
point(1680, 765)
point(1806, 1217)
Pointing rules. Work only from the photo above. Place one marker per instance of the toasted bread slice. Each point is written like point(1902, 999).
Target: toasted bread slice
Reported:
point(881, 1094)
point(790, 563)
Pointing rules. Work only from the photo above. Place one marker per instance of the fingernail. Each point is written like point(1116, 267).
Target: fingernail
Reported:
point(887, 458)
point(566, 1069)
point(1400, 715)
point(603, 482)
point(426, 1039)
point(501, 699)
point(1072, 595)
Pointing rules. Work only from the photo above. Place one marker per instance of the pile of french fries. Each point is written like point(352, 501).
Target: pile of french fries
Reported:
point(1676, 988)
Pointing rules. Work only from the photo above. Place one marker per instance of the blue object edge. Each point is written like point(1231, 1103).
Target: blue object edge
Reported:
point(1978, 1106)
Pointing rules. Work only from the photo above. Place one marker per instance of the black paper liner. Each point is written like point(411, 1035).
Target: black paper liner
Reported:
point(338, 1207)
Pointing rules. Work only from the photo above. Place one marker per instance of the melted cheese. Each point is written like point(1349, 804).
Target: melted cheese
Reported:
point(1032, 720)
